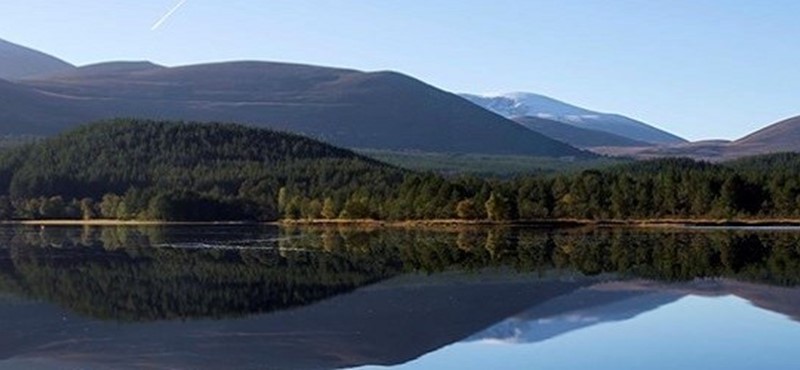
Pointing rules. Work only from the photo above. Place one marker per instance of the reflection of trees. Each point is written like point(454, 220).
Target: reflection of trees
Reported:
point(143, 282)
point(768, 257)
point(127, 273)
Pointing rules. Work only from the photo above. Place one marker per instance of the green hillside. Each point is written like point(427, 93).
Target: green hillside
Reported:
point(179, 171)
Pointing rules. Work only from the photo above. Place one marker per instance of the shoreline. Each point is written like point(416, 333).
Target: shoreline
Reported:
point(555, 223)
point(543, 223)
point(124, 223)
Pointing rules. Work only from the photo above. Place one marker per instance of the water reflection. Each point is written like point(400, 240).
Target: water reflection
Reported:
point(693, 332)
point(315, 298)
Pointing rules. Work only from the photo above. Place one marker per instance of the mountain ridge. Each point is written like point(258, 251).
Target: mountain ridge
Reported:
point(781, 136)
point(18, 62)
point(784, 133)
point(384, 109)
point(529, 104)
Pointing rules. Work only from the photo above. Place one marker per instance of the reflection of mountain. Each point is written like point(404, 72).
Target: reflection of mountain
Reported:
point(251, 297)
point(388, 323)
point(783, 300)
point(583, 308)
point(624, 300)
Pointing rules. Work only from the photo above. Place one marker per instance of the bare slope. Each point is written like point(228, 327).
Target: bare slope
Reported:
point(384, 110)
point(17, 62)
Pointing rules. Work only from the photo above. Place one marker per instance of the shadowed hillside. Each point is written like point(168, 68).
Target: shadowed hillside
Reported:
point(385, 110)
point(577, 136)
point(17, 62)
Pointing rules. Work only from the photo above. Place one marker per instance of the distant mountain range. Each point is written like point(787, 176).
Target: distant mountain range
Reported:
point(43, 95)
point(783, 136)
point(516, 105)
point(590, 130)
point(384, 110)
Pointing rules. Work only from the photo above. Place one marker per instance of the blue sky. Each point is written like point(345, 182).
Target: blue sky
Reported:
point(699, 68)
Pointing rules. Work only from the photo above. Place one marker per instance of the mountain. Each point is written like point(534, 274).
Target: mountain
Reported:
point(384, 110)
point(105, 70)
point(783, 136)
point(27, 111)
point(780, 136)
point(577, 136)
point(18, 62)
point(528, 104)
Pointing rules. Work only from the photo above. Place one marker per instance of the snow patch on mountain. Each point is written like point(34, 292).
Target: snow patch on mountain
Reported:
point(520, 104)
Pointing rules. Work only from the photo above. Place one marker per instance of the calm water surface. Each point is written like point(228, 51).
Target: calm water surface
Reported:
point(325, 298)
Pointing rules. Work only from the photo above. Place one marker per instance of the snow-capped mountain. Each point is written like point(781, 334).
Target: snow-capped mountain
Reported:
point(516, 105)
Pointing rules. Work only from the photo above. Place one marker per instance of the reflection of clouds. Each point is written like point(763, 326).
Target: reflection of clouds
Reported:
point(512, 340)
point(513, 335)
point(498, 342)
point(580, 318)
point(571, 318)
point(514, 331)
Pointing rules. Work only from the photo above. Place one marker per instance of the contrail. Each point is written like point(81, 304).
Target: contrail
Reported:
point(166, 16)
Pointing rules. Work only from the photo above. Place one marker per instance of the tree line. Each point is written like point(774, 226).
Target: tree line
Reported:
point(755, 188)
point(130, 169)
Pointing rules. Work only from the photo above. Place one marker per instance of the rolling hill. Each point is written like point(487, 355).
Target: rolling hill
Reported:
point(783, 136)
point(780, 136)
point(183, 171)
point(527, 104)
point(18, 62)
point(383, 110)
point(577, 136)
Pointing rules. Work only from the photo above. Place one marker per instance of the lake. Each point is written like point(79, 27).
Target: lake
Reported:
point(264, 297)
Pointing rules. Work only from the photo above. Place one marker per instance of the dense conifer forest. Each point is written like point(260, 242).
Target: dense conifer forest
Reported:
point(129, 169)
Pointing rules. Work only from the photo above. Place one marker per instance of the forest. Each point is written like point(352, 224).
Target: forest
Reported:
point(174, 171)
